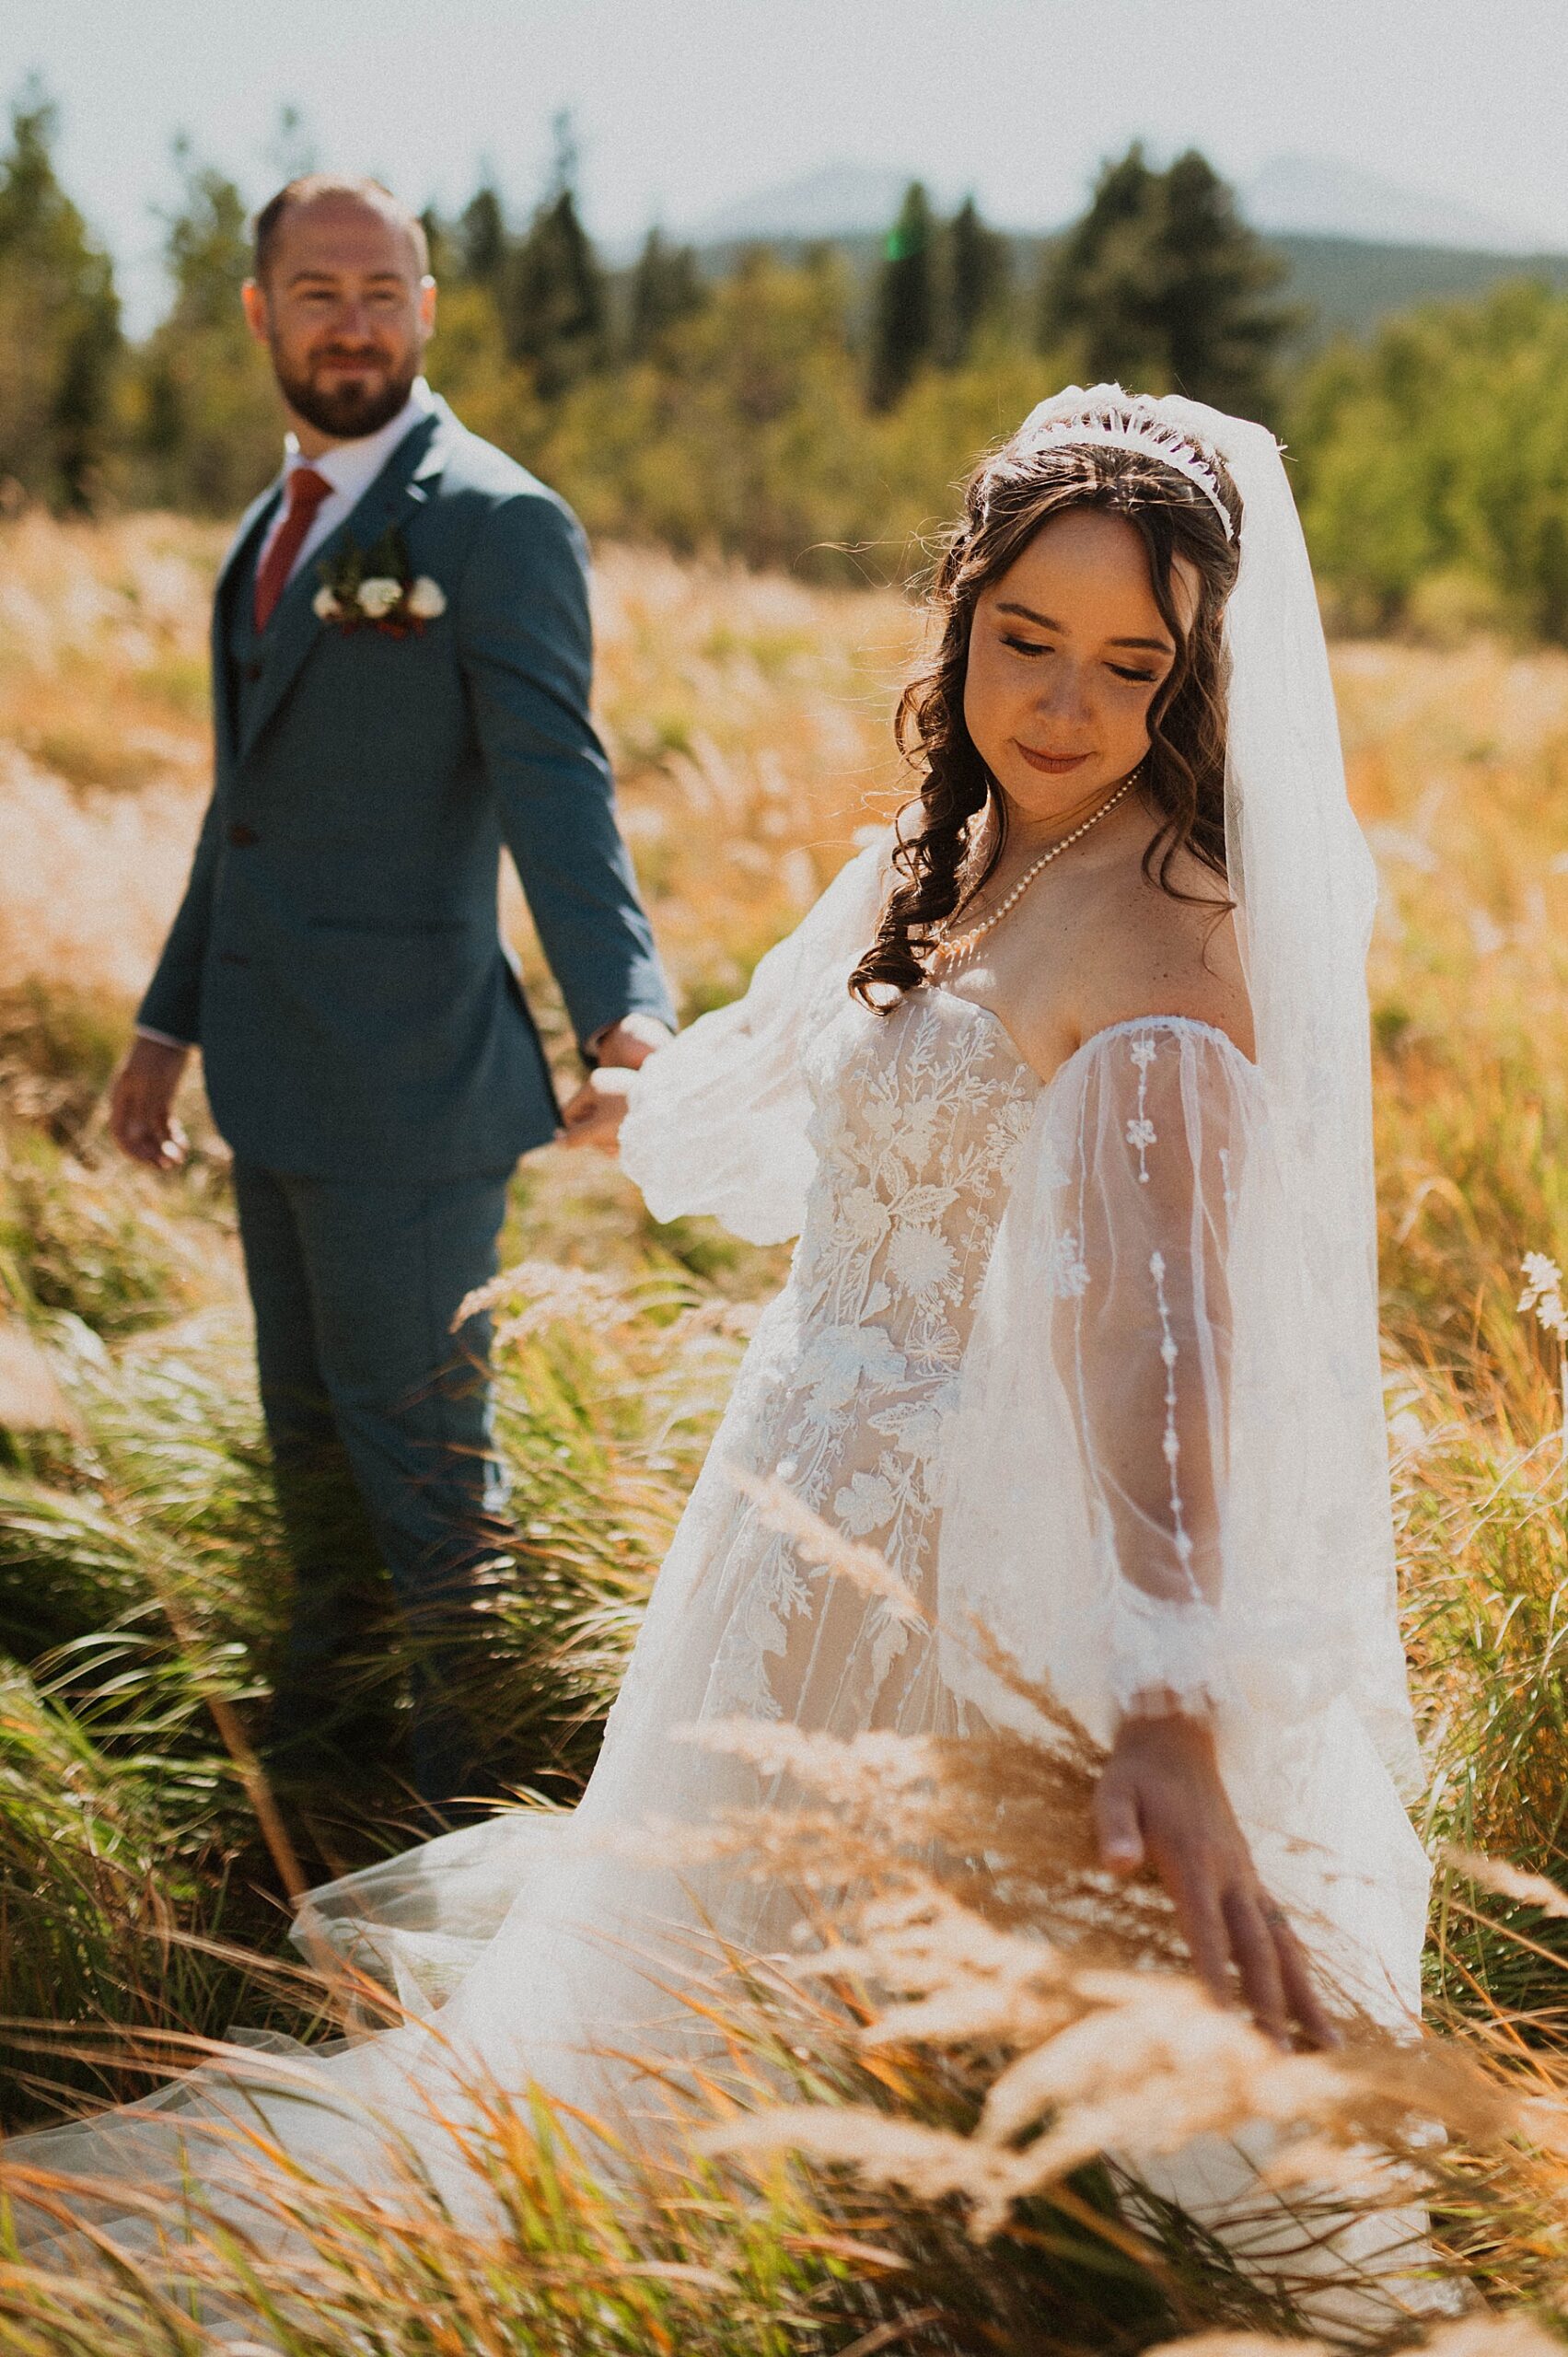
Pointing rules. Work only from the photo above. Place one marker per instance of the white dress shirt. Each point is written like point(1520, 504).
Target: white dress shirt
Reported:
point(351, 468)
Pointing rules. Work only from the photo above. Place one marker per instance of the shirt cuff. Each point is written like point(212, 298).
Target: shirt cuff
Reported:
point(651, 1029)
point(164, 1039)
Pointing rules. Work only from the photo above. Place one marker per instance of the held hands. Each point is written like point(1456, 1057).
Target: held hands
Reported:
point(1160, 1802)
point(141, 1104)
point(594, 1115)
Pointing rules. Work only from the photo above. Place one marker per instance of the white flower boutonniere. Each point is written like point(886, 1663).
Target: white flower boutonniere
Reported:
point(378, 595)
point(379, 589)
point(426, 599)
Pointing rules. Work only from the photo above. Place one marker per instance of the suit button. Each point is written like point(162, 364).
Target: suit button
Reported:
point(252, 672)
point(242, 835)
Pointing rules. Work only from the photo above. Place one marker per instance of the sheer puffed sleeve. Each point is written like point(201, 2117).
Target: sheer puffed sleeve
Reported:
point(1119, 1414)
point(716, 1122)
point(1141, 1335)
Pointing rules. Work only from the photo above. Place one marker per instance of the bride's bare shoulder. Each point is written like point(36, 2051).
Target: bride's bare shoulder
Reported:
point(1159, 951)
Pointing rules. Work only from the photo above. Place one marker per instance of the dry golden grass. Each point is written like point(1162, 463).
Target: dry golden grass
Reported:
point(104, 740)
point(748, 719)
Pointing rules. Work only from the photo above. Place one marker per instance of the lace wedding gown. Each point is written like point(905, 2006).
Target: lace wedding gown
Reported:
point(1045, 1347)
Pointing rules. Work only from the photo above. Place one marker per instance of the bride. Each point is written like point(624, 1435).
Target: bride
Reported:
point(1064, 1089)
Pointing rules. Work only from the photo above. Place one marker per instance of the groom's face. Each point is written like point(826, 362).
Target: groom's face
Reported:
point(345, 314)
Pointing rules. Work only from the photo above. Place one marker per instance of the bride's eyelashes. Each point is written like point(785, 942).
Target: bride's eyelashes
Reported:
point(1030, 647)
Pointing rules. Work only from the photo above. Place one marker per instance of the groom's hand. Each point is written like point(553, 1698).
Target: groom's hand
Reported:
point(594, 1115)
point(141, 1104)
point(630, 1043)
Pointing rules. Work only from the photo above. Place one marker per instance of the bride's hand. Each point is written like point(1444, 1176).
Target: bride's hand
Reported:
point(1160, 1802)
point(593, 1117)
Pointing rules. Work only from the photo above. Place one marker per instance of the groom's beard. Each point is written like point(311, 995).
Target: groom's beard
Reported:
point(351, 410)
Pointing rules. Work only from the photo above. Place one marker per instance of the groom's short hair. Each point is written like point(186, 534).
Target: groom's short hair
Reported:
point(311, 185)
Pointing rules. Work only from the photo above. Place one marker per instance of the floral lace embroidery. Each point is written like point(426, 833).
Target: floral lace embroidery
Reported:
point(1170, 1446)
point(919, 1120)
point(1141, 1130)
point(1068, 1270)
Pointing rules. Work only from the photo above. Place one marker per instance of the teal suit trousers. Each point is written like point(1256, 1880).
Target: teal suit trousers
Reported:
point(367, 1394)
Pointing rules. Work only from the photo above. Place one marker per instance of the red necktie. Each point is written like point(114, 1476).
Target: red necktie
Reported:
point(307, 490)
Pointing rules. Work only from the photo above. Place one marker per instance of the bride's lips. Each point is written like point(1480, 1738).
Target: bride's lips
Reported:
point(1052, 765)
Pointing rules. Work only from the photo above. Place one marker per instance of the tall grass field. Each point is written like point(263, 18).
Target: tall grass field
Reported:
point(905, 2150)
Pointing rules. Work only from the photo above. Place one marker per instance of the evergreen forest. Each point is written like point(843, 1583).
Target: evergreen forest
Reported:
point(815, 407)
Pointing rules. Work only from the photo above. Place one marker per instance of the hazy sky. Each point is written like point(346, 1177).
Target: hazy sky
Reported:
point(682, 105)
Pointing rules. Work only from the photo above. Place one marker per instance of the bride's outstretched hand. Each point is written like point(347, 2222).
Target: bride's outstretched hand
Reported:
point(593, 1117)
point(1160, 1802)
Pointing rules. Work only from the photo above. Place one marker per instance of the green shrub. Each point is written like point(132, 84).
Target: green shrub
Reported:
point(1439, 451)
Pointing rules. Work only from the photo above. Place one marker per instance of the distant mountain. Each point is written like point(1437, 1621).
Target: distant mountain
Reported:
point(1304, 196)
point(1308, 196)
point(840, 201)
point(1357, 248)
point(1349, 285)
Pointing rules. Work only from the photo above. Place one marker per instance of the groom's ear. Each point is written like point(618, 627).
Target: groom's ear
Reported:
point(427, 304)
point(253, 296)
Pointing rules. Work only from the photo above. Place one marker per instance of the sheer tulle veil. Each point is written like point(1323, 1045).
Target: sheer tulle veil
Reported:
point(1307, 893)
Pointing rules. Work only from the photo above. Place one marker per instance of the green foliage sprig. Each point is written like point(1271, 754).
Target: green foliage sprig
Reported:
point(377, 589)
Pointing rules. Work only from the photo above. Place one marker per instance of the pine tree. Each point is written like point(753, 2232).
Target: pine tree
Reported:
point(1221, 333)
point(903, 322)
point(292, 151)
point(481, 237)
point(441, 243)
point(206, 428)
point(978, 280)
point(1162, 286)
point(667, 287)
point(552, 298)
point(1096, 295)
point(59, 342)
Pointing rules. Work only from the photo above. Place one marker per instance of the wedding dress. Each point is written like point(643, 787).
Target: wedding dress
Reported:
point(1090, 1359)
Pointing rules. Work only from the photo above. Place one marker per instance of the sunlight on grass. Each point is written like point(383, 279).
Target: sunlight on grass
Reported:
point(142, 1570)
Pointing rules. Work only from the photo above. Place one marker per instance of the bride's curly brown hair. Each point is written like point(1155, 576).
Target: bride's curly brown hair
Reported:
point(1013, 494)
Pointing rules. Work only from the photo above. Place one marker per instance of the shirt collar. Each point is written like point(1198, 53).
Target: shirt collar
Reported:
point(352, 466)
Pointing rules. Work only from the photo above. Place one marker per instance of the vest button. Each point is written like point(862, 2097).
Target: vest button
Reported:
point(243, 836)
point(254, 671)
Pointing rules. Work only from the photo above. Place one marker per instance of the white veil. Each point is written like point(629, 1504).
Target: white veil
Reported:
point(1307, 891)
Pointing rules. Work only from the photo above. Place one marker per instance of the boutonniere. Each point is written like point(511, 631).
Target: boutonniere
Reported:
point(379, 589)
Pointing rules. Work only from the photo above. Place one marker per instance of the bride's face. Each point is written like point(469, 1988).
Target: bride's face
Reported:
point(1067, 653)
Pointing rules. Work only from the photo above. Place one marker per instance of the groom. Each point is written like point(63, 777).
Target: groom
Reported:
point(400, 673)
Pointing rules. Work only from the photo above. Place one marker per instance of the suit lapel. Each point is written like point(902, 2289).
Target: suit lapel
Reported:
point(231, 575)
point(295, 627)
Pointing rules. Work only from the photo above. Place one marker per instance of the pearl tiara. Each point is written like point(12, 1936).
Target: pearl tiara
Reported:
point(1134, 424)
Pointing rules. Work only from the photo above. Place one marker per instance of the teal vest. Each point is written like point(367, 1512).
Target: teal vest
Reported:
point(246, 646)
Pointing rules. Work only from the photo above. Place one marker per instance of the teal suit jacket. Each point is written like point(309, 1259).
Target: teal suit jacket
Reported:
point(337, 955)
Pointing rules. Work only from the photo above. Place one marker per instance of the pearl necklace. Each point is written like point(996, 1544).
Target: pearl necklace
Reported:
point(952, 949)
